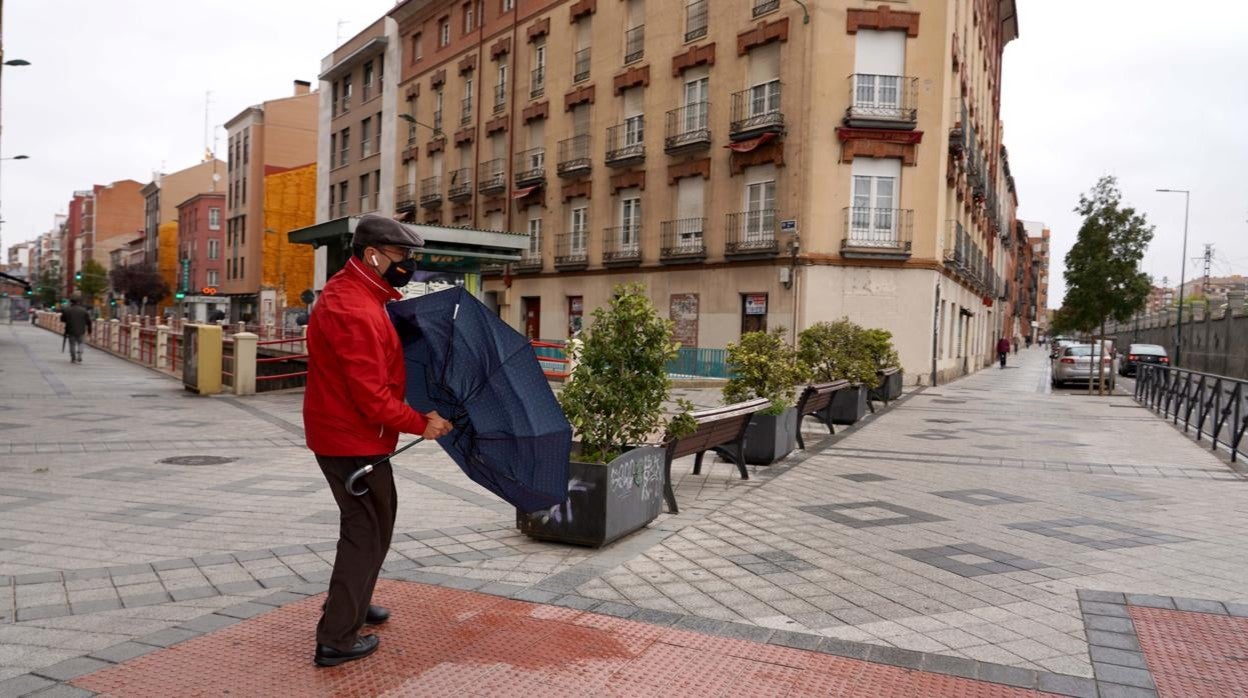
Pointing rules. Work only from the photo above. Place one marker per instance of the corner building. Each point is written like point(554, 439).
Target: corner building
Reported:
point(753, 165)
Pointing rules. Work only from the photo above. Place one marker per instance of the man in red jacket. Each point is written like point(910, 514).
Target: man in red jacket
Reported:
point(353, 412)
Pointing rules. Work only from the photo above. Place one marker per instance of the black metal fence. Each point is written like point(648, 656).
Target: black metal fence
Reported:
point(1214, 405)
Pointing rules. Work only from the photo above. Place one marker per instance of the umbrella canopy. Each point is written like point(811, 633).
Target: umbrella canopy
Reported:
point(510, 435)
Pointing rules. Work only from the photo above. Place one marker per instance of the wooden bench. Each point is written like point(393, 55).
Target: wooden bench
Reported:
point(814, 400)
point(721, 430)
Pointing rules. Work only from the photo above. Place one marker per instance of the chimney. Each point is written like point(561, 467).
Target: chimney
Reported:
point(302, 87)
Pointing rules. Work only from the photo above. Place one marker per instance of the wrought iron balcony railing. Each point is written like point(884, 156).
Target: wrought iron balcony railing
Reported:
point(465, 111)
point(762, 7)
point(500, 99)
point(574, 156)
point(572, 250)
point(626, 142)
point(621, 245)
point(756, 111)
point(882, 101)
point(531, 257)
point(752, 233)
point(683, 240)
point(877, 232)
point(688, 128)
point(696, 16)
point(460, 185)
point(431, 191)
point(634, 44)
point(492, 176)
point(581, 65)
point(530, 167)
point(537, 82)
point(405, 197)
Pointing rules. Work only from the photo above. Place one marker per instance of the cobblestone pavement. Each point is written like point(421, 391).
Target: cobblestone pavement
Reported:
point(955, 529)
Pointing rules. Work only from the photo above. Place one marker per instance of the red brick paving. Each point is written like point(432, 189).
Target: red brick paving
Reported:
point(444, 642)
point(1194, 655)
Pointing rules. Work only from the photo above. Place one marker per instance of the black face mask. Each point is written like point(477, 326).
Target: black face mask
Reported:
point(399, 274)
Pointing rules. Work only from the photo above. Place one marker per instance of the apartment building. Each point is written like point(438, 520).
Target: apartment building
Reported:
point(1039, 241)
point(100, 220)
point(275, 136)
point(755, 166)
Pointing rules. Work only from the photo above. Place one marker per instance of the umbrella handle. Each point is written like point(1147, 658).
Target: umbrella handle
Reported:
point(353, 477)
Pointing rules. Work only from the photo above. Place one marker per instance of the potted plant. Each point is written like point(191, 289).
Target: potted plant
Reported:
point(836, 351)
point(614, 402)
point(764, 365)
point(879, 346)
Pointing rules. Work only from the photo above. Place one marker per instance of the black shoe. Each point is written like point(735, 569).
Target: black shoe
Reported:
point(364, 646)
point(376, 615)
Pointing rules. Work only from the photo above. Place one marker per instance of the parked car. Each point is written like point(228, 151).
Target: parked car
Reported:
point(1058, 344)
point(1143, 354)
point(1076, 365)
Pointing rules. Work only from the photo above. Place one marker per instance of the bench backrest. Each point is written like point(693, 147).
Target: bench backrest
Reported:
point(818, 396)
point(717, 426)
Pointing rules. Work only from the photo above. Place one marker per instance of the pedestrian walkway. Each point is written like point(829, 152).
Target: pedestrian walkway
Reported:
point(987, 529)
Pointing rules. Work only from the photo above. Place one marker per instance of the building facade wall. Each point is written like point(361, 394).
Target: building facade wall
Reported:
point(201, 241)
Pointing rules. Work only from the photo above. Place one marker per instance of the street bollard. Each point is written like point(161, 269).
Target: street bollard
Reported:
point(162, 347)
point(136, 341)
point(114, 336)
point(245, 363)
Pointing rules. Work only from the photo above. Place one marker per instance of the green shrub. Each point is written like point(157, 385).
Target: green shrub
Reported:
point(837, 350)
point(879, 346)
point(614, 398)
point(764, 366)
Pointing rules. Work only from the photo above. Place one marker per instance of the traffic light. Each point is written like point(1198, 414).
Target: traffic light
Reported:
point(112, 302)
point(30, 292)
point(180, 295)
point(77, 276)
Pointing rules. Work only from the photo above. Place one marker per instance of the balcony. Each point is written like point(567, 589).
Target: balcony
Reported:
point(752, 234)
point(621, 246)
point(492, 176)
point(431, 192)
point(574, 157)
point(634, 44)
point(465, 111)
point(531, 257)
point(696, 16)
point(580, 66)
point(537, 82)
point(877, 233)
point(688, 129)
point(437, 123)
point(572, 251)
point(460, 185)
point(626, 143)
point(756, 112)
point(405, 197)
point(530, 168)
point(882, 101)
point(762, 7)
point(500, 99)
point(683, 241)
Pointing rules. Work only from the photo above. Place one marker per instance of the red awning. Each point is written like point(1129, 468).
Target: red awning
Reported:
point(521, 193)
point(748, 145)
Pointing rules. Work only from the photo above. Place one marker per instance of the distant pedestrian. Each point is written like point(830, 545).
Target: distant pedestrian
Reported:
point(77, 323)
point(217, 315)
point(1003, 350)
point(1015, 344)
point(353, 412)
point(1027, 340)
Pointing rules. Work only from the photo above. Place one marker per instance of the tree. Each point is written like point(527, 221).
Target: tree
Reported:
point(1103, 277)
point(140, 283)
point(93, 282)
point(48, 286)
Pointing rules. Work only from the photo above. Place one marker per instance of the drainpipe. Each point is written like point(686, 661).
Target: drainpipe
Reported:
point(936, 333)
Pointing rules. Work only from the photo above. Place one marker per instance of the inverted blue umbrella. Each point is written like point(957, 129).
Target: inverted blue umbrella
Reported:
point(510, 435)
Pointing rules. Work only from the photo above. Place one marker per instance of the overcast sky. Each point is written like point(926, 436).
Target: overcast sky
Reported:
point(1135, 88)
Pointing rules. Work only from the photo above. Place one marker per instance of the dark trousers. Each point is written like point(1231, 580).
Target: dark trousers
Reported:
point(363, 541)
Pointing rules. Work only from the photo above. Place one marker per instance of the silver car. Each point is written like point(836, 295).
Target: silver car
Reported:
point(1076, 365)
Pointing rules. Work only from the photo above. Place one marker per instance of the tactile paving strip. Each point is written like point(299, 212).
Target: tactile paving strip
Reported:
point(449, 642)
point(1193, 655)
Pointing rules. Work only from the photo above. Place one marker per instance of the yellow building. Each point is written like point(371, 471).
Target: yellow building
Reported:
point(289, 204)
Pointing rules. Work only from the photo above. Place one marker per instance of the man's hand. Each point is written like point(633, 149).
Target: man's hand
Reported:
point(436, 427)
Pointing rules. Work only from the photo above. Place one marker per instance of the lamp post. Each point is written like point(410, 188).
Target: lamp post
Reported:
point(1178, 342)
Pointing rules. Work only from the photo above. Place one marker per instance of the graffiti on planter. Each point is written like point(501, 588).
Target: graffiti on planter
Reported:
point(562, 513)
point(643, 472)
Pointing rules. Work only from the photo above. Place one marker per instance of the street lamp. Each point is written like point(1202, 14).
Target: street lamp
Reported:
point(17, 62)
point(17, 157)
point(1187, 201)
point(437, 132)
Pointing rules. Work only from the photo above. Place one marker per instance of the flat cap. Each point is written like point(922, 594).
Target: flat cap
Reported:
point(373, 229)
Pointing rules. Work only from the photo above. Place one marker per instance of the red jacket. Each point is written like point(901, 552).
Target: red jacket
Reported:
point(1003, 346)
point(354, 403)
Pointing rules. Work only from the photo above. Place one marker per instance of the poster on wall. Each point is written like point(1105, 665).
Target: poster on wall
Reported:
point(576, 315)
point(756, 304)
point(426, 282)
point(684, 315)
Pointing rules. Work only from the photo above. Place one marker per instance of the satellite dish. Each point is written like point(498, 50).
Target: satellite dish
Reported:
point(216, 177)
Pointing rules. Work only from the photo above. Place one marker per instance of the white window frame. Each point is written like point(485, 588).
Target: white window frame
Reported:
point(509, 5)
point(697, 94)
point(578, 227)
point(213, 279)
point(214, 218)
point(444, 32)
point(630, 223)
point(760, 210)
point(535, 236)
point(214, 246)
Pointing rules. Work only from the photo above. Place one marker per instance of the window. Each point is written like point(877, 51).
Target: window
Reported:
point(879, 63)
point(690, 193)
point(246, 145)
point(344, 140)
point(212, 277)
point(368, 81)
point(630, 220)
point(346, 94)
point(333, 110)
point(214, 218)
point(695, 19)
point(760, 204)
point(214, 249)
point(500, 88)
point(376, 188)
point(365, 190)
point(635, 33)
point(333, 150)
point(417, 47)
point(875, 193)
point(764, 80)
point(469, 16)
point(539, 69)
point(634, 116)
point(437, 109)
point(444, 32)
point(342, 199)
point(466, 114)
point(535, 232)
point(242, 267)
point(509, 5)
point(697, 94)
point(578, 226)
point(366, 144)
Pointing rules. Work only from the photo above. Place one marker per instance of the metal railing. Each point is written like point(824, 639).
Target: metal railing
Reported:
point(580, 65)
point(460, 184)
point(537, 82)
point(1219, 404)
point(683, 239)
point(530, 166)
point(621, 244)
point(634, 44)
point(574, 156)
point(437, 122)
point(757, 110)
point(280, 351)
point(752, 232)
point(626, 142)
point(696, 16)
point(883, 229)
point(762, 7)
point(431, 191)
point(572, 249)
point(465, 111)
point(500, 98)
point(882, 100)
point(688, 127)
point(405, 196)
point(492, 176)
point(706, 363)
point(531, 258)
point(553, 358)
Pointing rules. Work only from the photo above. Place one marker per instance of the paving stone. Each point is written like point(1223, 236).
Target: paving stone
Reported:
point(1150, 601)
point(193, 593)
point(1126, 658)
point(1066, 685)
point(122, 652)
point(1200, 606)
point(71, 668)
point(168, 637)
point(63, 691)
point(245, 610)
point(23, 685)
point(209, 623)
point(1008, 675)
point(41, 612)
point(1127, 676)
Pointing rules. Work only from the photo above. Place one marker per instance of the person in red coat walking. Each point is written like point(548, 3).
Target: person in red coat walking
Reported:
point(353, 413)
point(1003, 350)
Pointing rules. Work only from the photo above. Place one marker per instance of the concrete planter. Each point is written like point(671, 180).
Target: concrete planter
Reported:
point(890, 386)
point(771, 438)
point(605, 502)
point(848, 405)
